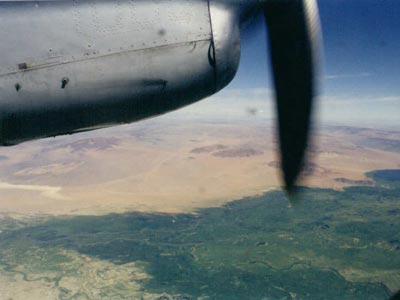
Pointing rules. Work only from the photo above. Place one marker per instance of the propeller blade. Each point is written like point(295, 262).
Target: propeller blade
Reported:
point(294, 35)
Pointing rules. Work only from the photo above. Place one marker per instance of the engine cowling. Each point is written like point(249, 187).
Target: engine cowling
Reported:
point(71, 66)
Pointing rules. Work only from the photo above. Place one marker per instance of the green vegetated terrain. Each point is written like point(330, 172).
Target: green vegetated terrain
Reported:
point(332, 245)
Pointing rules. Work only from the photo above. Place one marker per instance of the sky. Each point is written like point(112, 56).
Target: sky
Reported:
point(360, 78)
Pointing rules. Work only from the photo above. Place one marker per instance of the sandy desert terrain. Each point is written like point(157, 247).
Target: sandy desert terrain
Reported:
point(173, 165)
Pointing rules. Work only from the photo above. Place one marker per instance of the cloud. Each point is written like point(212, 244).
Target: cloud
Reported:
point(259, 104)
point(379, 112)
point(231, 103)
point(342, 76)
point(253, 94)
point(359, 100)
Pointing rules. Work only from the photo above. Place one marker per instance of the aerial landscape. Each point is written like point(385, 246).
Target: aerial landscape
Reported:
point(191, 206)
point(157, 210)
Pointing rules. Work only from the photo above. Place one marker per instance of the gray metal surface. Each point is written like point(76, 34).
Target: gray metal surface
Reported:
point(69, 66)
point(51, 32)
point(225, 23)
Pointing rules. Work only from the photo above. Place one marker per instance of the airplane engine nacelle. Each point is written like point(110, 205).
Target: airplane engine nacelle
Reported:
point(70, 66)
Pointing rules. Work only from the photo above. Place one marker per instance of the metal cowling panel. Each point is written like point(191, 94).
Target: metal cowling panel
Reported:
point(225, 24)
point(41, 34)
point(101, 63)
